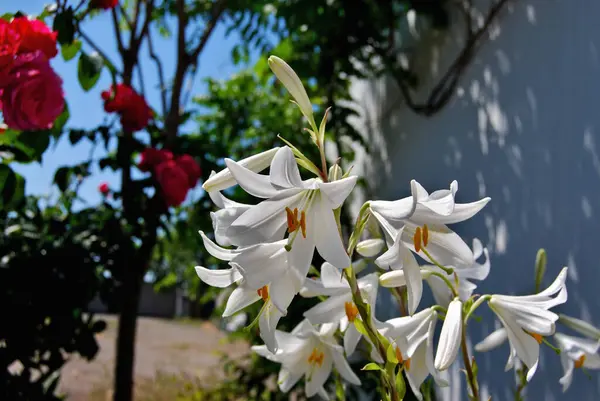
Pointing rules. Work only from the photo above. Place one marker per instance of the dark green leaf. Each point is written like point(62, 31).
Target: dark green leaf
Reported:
point(70, 50)
point(62, 178)
point(64, 24)
point(109, 162)
point(98, 326)
point(60, 122)
point(12, 187)
point(36, 142)
point(372, 366)
point(89, 69)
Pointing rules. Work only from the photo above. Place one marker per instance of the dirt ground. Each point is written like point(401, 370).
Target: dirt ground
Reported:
point(163, 347)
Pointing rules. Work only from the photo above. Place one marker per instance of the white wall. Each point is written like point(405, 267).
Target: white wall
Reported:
point(523, 129)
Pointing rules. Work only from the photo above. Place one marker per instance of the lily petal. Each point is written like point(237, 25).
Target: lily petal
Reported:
point(287, 379)
point(218, 278)
point(343, 368)
point(336, 192)
point(332, 277)
point(351, 339)
point(493, 340)
point(284, 172)
point(328, 311)
point(328, 241)
point(450, 337)
point(319, 375)
point(239, 299)
point(282, 292)
point(224, 179)
point(217, 251)
point(258, 185)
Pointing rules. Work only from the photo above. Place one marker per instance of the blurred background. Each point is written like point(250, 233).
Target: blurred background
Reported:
point(500, 95)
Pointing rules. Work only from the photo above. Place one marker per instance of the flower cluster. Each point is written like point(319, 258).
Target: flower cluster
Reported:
point(31, 96)
point(269, 247)
point(132, 107)
point(175, 175)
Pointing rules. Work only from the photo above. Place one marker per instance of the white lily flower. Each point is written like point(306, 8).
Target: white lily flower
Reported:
point(580, 326)
point(277, 293)
point(450, 337)
point(413, 337)
point(223, 179)
point(493, 340)
point(478, 271)
point(576, 353)
point(434, 210)
point(288, 77)
point(397, 257)
point(305, 208)
point(339, 307)
point(370, 247)
point(311, 354)
point(527, 319)
point(228, 212)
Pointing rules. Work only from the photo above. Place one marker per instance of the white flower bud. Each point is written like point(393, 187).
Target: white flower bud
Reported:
point(292, 83)
point(450, 337)
point(370, 247)
point(224, 179)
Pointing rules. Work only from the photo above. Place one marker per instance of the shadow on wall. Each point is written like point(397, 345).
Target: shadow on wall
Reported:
point(522, 129)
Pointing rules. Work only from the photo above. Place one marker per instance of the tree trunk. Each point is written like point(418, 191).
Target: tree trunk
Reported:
point(125, 355)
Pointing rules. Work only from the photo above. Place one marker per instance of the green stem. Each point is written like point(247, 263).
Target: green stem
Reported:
point(476, 305)
point(448, 283)
point(448, 270)
point(467, 362)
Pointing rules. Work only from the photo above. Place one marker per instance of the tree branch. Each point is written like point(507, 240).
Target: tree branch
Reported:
point(185, 59)
point(117, 30)
point(161, 74)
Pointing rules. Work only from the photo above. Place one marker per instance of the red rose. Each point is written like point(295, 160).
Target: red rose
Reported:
point(132, 107)
point(104, 4)
point(153, 157)
point(9, 44)
point(173, 181)
point(35, 35)
point(103, 188)
point(32, 96)
point(192, 169)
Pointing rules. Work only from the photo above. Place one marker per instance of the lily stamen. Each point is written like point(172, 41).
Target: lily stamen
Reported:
point(316, 357)
point(263, 293)
point(538, 337)
point(401, 359)
point(351, 311)
point(417, 239)
point(579, 362)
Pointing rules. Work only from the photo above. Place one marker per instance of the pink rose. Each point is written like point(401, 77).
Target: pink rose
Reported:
point(9, 44)
point(132, 107)
point(173, 181)
point(32, 96)
point(104, 189)
point(35, 35)
point(192, 169)
point(152, 157)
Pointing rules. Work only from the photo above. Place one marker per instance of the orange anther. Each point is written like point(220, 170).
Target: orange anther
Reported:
point(425, 235)
point(316, 357)
point(417, 239)
point(399, 355)
point(263, 293)
point(303, 223)
point(351, 311)
point(290, 218)
point(579, 362)
point(407, 364)
point(538, 337)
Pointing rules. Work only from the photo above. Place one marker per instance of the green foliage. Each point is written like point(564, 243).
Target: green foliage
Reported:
point(89, 68)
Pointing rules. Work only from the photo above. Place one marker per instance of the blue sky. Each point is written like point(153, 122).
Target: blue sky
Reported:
point(86, 108)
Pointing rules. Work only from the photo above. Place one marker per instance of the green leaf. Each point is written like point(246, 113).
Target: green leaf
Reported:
point(6, 16)
point(62, 178)
point(360, 327)
point(89, 69)
point(400, 385)
point(391, 353)
point(36, 142)
point(12, 187)
point(70, 50)
point(64, 24)
point(60, 122)
point(372, 366)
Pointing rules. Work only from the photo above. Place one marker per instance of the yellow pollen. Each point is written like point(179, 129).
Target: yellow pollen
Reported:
point(316, 357)
point(417, 240)
point(263, 293)
point(351, 311)
point(303, 223)
point(538, 337)
point(425, 235)
point(401, 359)
point(579, 362)
point(293, 222)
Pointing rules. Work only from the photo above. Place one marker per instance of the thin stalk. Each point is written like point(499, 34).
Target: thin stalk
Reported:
point(448, 270)
point(448, 283)
point(467, 362)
